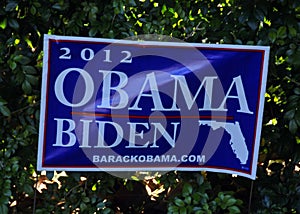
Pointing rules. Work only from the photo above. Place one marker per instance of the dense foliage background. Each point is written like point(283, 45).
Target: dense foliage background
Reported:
point(274, 23)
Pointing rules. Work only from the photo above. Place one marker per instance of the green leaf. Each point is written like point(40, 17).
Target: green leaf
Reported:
point(281, 32)
point(13, 24)
point(188, 200)
point(83, 207)
point(19, 77)
point(290, 52)
point(289, 114)
point(200, 179)
point(173, 209)
point(3, 209)
point(196, 197)
point(57, 6)
point(6, 192)
point(33, 80)
point(15, 168)
point(230, 202)
point(37, 4)
point(272, 36)
point(4, 200)
point(22, 59)
point(107, 211)
point(292, 32)
point(221, 196)
point(293, 127)
point(132, 3)
point(29, 69)
point(100, 205)
point(252, 24)
point(238, 41)
point(294, 59)
point(182, 210)
point(5, 111)
point(297, 91)
point(244, 17)
point(33, 10)
point(93, 31)
point(179, 202)
point(56, 22)
point(111, 34)
point(31, 129)
point(11, 6)
point(85, 199)
point(12, 65)
point(187, 189)
point(234, 209)
point(2, 101)
point(259, 15)
point(297, 117)
point(28, 188)
point(26, 87)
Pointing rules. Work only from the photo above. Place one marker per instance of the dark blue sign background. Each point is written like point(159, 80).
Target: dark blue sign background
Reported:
point(228, 62)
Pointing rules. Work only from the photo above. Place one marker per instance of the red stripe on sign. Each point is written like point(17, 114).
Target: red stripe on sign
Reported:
point(91, 114)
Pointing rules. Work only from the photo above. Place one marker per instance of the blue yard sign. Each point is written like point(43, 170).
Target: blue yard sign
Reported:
point(124, 105)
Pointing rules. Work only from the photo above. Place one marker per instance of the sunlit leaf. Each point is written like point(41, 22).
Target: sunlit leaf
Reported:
point(3, 23)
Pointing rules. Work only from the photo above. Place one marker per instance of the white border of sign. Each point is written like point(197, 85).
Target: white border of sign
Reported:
point(44, 89)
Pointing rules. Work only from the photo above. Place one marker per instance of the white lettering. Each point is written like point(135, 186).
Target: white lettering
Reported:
point(189, 100)
point(184, 158)
point(165, 134)
point(200, 158)
point(133, 133)
point(103, 159)
point(237, 81)
point(164, 158)
point(59, 87)
point(134, 159)
point(126, 158)
point(60, 131)
point(157, 158)
point(85, 133)
point(142, 158)
point(90, 54)
point(149, 158)
point(101, 132)
point(119, 159)
point(96, 158)
point(107, 88)
point(150, 78)
point(111, 159)
point(173, 158)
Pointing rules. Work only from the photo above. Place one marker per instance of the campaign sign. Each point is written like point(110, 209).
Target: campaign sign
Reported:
point(125, 105)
